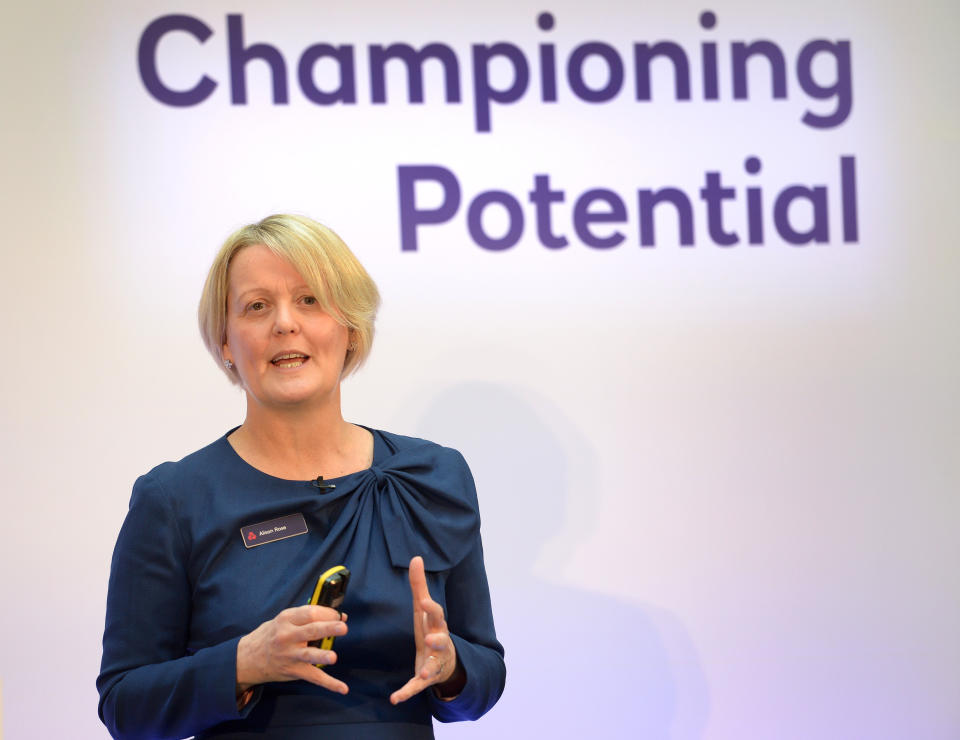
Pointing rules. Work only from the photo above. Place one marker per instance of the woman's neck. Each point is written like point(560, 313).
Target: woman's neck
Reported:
point(300, 444)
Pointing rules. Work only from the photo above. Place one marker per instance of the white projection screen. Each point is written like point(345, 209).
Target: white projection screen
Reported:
point(678, 279)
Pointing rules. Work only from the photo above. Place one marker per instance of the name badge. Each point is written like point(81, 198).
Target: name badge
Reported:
point(275, 529)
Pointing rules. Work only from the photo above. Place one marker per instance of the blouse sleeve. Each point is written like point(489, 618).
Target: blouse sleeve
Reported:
point(470, 620)
point(150, 685)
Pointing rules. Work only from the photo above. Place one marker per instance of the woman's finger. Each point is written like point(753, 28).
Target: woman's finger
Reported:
point(321, 678)
point(434, 612)
point(308, 613)
point(418, 581)
point(317, 631)
point(411, 688)
point(316, 656)
point(419, 592)
point(432, 668)
point(439, 642)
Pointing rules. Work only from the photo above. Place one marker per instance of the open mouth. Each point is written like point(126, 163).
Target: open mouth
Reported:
point(289, 360)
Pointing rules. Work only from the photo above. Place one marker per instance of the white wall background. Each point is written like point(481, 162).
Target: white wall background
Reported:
point(719, 486)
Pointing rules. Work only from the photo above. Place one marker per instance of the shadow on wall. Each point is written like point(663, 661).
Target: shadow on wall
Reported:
point(579, 663)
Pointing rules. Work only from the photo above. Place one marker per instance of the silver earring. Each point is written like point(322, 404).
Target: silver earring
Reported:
point(228, 364)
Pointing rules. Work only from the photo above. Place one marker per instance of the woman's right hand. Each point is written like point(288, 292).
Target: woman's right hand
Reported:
point(278, 651)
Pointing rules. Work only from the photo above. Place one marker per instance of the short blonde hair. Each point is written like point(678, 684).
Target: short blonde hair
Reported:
point(341, 285)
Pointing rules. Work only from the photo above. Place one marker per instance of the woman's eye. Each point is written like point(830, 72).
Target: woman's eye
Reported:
point(310, 300)
point(257, 306)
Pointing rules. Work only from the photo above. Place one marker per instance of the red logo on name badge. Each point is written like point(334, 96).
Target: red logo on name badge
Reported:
point(251, 536)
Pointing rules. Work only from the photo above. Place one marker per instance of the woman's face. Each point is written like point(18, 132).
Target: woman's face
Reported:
point(287, 350)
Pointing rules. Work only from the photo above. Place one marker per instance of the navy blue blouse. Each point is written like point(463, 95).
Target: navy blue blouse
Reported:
point(184, 588)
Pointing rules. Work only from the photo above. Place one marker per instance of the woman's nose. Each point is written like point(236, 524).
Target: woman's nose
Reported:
point(285, 321)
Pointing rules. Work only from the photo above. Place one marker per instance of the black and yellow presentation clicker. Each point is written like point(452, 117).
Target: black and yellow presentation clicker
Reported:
point(329, 591)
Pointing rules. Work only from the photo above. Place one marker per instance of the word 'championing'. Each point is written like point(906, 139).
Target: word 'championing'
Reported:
point(503, 73)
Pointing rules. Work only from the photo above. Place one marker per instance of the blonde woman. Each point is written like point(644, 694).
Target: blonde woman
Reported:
point(208, 631)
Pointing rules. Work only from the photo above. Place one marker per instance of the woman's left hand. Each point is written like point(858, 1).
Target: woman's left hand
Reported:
point(436, 661)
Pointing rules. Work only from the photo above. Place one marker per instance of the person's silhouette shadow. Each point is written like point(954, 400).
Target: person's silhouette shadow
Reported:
point(579, 663)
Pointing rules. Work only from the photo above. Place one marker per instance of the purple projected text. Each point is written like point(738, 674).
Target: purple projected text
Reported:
point(493, 76)
point(694, 75)
point(607, 209)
